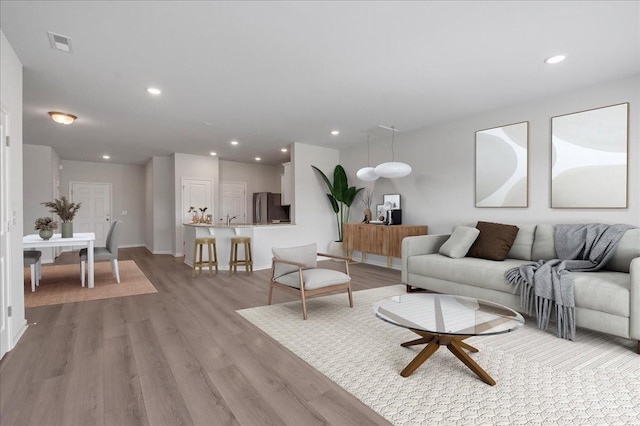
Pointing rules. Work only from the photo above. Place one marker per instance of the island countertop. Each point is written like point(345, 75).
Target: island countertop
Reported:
point(238, 225)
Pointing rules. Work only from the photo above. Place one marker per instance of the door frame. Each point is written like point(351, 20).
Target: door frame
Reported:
point(5, 279)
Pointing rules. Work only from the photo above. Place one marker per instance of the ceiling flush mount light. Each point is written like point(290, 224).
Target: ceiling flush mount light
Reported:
point(335, 132)
point(62, 117)
point(555, 59)
point(258, 158)
point(367, 174)
point(106, 157)
point(154, 90)
point(284, 149)
point(213, 154)
point(234, 143)
point(392, 169)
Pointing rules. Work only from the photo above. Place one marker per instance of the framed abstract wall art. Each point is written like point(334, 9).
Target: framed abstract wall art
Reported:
point(589, 158)
point(502, 166)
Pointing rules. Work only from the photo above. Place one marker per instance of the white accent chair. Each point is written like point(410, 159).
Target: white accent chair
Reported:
point(295, 270)
point(110, 252)
point(33, 259)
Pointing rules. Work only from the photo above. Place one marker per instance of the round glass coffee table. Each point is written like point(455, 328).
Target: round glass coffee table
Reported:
point(446, 320)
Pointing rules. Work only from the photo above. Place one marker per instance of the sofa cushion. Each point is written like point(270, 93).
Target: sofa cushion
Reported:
point(627, 249)
point(459, 242)
point(471, 271)
point(303, 254)
point(543, 246)
point(523, 244)
point(494, 242)
point(603, 291)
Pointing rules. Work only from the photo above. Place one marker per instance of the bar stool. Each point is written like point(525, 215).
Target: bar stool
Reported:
point(32, 258)
point(233, 257)
point(211, 247)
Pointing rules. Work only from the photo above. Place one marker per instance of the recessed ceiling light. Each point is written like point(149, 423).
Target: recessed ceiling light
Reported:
point(555, 59)
point(234, 142)
point(154, 91)
point(206, 123)
point(258, 158)
point(335, 132)
point(106, 157)
point(284, 149)
point(213, 154)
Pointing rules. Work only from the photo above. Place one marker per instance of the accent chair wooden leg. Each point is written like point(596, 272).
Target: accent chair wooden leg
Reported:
point(350, 295)
point(270, 292)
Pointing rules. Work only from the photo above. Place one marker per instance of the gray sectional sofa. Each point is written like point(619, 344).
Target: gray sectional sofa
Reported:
point(607, 301)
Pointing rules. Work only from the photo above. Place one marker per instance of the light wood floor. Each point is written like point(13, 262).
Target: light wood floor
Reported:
point(178, 357)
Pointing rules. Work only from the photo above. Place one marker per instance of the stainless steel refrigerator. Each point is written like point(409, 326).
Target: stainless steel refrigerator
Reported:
point(267, 208)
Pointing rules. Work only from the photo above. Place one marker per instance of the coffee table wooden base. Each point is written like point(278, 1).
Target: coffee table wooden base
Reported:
point(455, 345)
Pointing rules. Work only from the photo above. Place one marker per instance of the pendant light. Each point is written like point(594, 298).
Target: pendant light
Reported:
point(367, 174)
point(393, 169)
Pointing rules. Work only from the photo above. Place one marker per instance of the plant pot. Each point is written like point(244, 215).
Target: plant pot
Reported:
point(45, 234)
point(67, 229)
point(336, 248)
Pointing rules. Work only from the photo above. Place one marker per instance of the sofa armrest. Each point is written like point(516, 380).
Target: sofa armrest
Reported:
point(421, 244)
point(634, 300)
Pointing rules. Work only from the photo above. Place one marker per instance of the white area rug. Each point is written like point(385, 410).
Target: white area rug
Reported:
point(540, 379)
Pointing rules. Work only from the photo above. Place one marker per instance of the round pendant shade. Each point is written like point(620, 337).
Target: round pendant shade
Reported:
point(367, 174)
point(393, 169)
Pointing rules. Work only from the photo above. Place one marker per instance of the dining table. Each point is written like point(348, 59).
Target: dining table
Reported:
point(85, 239)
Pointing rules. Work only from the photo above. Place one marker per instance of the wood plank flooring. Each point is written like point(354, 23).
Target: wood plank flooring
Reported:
point(181, 356)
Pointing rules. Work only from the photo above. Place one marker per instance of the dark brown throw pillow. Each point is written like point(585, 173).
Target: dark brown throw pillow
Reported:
point(494, 242)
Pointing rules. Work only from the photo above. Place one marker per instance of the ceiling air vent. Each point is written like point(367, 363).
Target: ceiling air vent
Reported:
point(59, 42)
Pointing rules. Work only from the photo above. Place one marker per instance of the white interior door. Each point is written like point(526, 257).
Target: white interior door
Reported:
point(195, 193)
point(4, 236)
point(95, 213)
point(234, 201)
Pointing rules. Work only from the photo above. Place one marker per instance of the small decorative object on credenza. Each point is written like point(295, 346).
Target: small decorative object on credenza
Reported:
point(391, 208)
point(66, 211)
point(45, 225)
point(367, 199)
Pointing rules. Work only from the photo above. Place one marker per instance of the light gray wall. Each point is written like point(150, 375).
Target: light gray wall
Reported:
point(440, 190)
point(148, 205)
point(41, 175)
point(163, 205)
point(11, 103)
point(127, 193)
point(258, 177)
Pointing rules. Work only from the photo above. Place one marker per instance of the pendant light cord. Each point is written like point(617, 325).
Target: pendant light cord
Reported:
point(368, 153)
point(393, 134)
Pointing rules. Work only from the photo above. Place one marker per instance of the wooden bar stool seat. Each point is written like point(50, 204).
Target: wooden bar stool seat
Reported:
point(199, 243)
point(247, 262)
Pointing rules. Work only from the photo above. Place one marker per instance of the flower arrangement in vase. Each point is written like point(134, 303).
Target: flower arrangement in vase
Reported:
point(66, 211)
point(203, 217)
point(194, 217)
point(367, 200)
point(45, 225)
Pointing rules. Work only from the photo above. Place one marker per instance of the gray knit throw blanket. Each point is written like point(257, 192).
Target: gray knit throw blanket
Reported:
point(549, 283)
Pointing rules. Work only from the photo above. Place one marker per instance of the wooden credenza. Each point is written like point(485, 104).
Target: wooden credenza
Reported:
point(378, 239)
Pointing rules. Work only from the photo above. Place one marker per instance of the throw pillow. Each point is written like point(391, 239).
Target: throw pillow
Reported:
point(494, 242)
point(459, 242)
point(303, 254)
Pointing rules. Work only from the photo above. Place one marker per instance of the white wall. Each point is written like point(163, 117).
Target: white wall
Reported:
point(258, 177)
point(11, 102)
point(440, 190)
point(127, 193)
point(148, 205)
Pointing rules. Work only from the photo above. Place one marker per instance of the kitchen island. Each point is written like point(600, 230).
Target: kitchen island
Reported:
point(263, 238)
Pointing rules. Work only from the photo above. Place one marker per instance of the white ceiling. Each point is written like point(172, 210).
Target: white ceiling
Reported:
point(272, 73)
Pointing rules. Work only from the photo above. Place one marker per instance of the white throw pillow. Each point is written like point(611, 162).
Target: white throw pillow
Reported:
point(459, 242)
point(303, 254)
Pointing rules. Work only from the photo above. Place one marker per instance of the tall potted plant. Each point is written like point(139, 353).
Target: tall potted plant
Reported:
point(341, 195)
point(66, 210)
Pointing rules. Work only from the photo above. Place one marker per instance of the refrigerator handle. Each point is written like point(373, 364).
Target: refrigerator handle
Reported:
point(257, 212)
